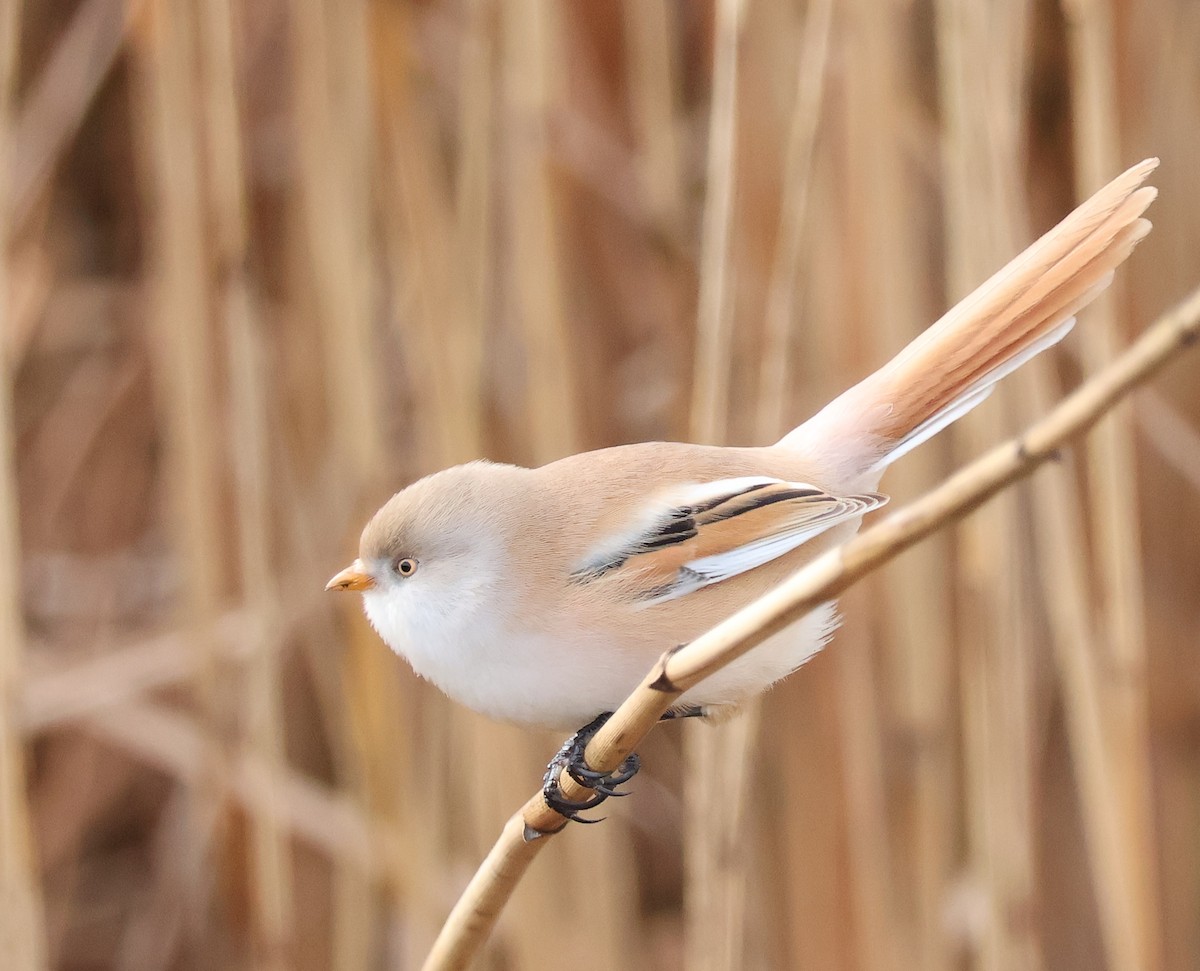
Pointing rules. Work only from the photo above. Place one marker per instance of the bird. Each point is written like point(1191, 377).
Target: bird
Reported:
point(542, 596)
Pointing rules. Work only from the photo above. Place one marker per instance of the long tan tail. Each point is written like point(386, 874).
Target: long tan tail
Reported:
point(1023, 309)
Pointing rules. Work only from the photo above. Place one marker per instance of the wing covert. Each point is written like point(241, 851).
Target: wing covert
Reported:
point(692, 536)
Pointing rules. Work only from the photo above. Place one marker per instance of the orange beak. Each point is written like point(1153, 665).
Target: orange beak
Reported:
point(354, 577)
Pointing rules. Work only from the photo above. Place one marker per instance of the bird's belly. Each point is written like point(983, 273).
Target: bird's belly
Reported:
point(775, 658)
point(564, 682)
point(568, 670)
point(532, 678)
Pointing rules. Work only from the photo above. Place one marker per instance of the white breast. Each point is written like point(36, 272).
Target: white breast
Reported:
point(479, 659)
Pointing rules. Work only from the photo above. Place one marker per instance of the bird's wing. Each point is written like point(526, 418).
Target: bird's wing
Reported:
point(689, 537)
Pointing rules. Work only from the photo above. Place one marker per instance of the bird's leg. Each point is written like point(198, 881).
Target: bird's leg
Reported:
point(571, 759)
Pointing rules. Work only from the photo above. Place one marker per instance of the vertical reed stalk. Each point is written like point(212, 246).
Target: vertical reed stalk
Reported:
point(250, 389)
point(814, 923)
point(714, 316)
point(474, 208)
point(425, 246)
point(21, 927)
point(884, 227)
point(653, 72)
point(531, 214)
point(1112, 477)
point(333, 144)
point(879, 943)
point(335, 286)
point(794, 224)
point(981, 111)
point(1061, 534)
point(183, 344)
point(719, 762)
point(58, 102)
point(440, 324)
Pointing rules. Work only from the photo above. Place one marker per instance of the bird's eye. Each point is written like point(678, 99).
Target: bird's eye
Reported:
point(406, 566)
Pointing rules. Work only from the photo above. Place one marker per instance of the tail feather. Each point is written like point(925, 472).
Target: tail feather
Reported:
point(951, 367)
point(975, 394)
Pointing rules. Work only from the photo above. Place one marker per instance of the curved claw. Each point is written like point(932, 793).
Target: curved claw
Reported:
point(569, 809)
point(576, 818)
point(606, 782)
point(554, 796)
point(629, 768)
point(586, 776)
point(603, 784)
point(568, 805)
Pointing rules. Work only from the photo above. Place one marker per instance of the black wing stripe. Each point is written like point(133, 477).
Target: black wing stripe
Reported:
point(720, 500)
point(679, 523)
point(679, 528)
point(759, 502)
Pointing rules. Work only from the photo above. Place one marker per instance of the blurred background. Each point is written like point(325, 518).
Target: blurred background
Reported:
point(267, 261)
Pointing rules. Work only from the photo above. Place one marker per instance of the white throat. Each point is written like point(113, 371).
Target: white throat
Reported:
point(452, 630)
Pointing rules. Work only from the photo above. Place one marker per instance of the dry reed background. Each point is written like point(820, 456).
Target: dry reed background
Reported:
point(268, 261)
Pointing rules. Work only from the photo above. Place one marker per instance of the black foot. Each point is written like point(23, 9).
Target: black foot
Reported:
point(570, 758)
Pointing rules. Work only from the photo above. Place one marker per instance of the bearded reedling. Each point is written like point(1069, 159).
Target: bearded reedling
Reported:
point(542, 596)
